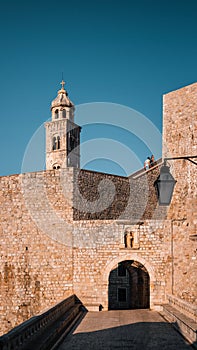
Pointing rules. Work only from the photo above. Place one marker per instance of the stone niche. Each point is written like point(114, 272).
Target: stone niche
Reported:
point(131, 237)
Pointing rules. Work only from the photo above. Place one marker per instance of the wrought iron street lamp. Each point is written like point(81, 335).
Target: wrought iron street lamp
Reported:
point(165, 182)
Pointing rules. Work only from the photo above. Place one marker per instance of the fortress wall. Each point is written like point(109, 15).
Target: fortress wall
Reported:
point(99, 196)
point(180, 139)
point(35, 264)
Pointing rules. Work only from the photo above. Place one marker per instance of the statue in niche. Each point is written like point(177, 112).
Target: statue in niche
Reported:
point(129, 238)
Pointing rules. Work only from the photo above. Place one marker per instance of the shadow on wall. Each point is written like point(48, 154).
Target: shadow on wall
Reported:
point(140, 335)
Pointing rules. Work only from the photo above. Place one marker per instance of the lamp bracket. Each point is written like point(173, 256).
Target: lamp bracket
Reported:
point(186, 158)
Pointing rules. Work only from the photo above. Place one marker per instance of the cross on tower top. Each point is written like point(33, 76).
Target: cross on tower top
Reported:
point(62, 83)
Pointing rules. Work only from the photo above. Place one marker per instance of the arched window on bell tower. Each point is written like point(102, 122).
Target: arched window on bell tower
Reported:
point(54, 143)
point(64, 113)
point(56, 114)
point(58, 142)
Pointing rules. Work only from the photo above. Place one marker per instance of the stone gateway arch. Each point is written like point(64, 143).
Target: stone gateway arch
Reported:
point(129, 286)
point(129, 280)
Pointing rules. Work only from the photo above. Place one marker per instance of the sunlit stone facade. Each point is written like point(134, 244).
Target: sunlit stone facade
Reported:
point(60, 235)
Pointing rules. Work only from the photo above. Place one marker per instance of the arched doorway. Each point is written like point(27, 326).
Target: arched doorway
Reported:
point(129, 286)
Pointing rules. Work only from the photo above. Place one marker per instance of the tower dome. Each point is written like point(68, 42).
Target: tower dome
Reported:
point(62, 99)
point(61, 106)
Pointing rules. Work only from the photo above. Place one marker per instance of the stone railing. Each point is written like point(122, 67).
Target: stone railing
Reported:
point(25, 335)
point(182, 315)
point(183, 306)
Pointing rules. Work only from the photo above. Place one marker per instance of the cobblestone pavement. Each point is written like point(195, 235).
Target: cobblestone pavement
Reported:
point(129, 329)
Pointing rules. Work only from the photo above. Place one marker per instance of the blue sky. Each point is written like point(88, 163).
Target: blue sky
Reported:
point(126, 53)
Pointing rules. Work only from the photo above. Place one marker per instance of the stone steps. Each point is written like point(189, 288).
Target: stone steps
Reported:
point(183, 324)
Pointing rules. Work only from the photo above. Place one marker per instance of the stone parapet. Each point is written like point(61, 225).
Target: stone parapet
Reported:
point(186, 308)
point(36, 332)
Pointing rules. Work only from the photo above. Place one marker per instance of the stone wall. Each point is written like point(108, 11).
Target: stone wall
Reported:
point(35, 268)
point(99, 196)
point(180, 139)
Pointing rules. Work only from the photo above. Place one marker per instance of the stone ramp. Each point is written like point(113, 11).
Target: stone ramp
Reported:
point(125, 330)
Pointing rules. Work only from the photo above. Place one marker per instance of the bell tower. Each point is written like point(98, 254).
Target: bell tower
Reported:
point(62, 134)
